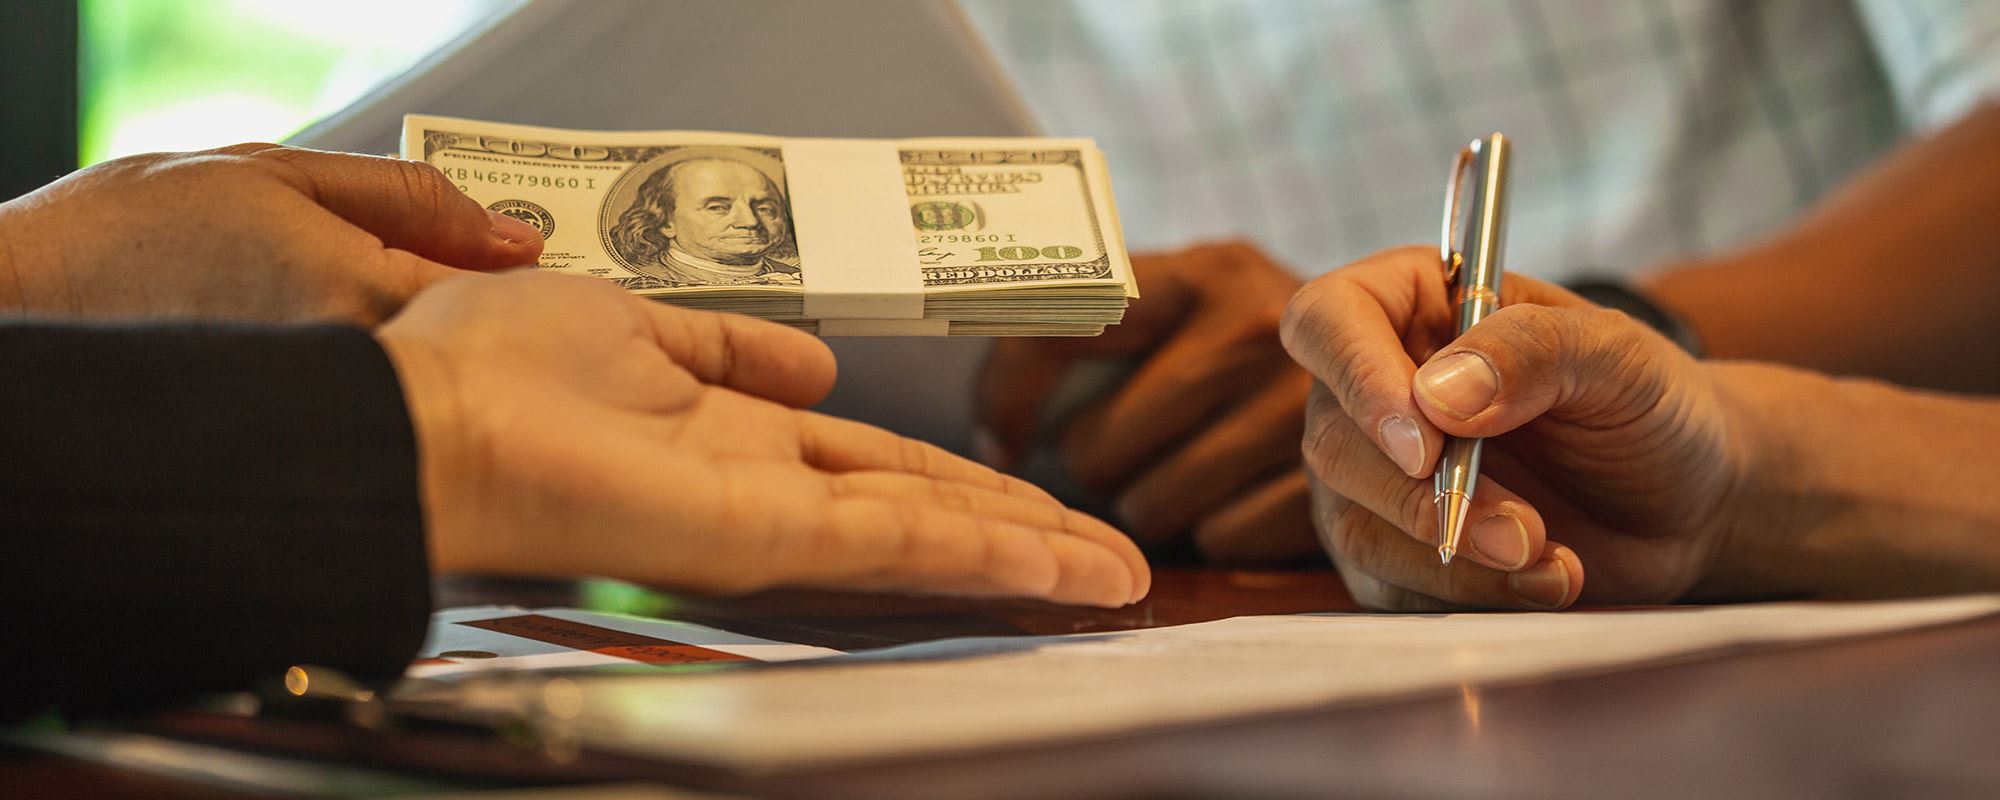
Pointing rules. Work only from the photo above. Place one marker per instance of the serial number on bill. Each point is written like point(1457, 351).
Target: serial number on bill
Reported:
point(519, 179)
point(963, 238)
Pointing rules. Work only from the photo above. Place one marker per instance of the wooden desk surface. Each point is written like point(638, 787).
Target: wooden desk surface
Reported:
point(1906, 715)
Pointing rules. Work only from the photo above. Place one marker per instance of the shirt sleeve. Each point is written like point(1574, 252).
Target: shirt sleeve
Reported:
point(188, 508)
point(1942, 57)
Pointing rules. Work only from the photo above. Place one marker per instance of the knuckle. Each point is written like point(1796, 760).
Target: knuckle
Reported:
point(153, 168)
point(1578, 329)
point(288, 164)
point(1542, 342)
point(1413, 500)
point(139, 161)
point(1525, 338)
point(914, 456)
point(1301, 319)
point(1625, 350)
point(954, 497)
point(205, 165)
point(1361, 378)
point(424, 182)
point(1533, 322)
point(1607, 332)
point(290, 161)
point(423, 172)
point(841, 486)
point(265, 149)
point(1326, 435)
point(426, 191)
point(1309, 320)
point(728, 350)
point(1598, 319)
point(984, 555)
point(905, 532)
point(1363, 547)
point(1349, 536)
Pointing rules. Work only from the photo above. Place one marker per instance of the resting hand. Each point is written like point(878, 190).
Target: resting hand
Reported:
point(253, 232)
point(570, 429)
point(1602, 435)
point(1200, 441)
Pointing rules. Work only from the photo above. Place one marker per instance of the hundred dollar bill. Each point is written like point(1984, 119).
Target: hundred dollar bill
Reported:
point(934, 236)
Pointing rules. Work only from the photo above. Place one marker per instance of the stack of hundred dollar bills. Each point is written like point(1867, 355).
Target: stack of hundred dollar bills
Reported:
point(935, 236)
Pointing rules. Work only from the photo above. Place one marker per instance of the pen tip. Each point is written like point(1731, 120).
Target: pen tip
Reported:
point(1452, 507)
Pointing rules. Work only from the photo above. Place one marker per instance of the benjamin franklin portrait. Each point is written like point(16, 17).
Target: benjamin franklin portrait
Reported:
point(710, 216)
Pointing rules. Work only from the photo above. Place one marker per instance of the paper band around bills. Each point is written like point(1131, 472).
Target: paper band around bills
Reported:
point(851, 214)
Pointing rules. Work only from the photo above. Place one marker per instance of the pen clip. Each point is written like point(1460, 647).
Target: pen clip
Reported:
point(1450, 254)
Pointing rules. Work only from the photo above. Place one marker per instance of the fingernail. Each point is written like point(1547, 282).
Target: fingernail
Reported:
point(987, 450)
point(1404, 443)
point(1546, 585)
point(1463, 383)
point(1503, 540)
point(513, 230)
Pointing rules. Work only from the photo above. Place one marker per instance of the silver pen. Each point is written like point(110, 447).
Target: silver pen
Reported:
point(1472, 270)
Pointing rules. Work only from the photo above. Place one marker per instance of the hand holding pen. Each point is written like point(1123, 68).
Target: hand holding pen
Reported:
point(1472, 269)
point(1610, 432)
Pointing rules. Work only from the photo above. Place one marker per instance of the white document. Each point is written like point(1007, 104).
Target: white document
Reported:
point(992, 692)
point(478, 639)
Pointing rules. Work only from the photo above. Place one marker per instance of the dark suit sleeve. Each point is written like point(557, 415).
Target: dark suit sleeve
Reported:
point(189, 508)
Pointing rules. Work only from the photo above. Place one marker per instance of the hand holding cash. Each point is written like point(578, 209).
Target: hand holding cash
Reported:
point(940, 236)
point(251, 232)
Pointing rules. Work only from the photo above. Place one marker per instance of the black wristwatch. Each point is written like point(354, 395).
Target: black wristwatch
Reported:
point(1621, 296)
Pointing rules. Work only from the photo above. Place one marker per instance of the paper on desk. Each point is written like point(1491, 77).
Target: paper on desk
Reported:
point(989, 692)
point(513, 639)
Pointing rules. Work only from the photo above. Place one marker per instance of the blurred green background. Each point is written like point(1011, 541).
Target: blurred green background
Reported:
point(193, 74)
